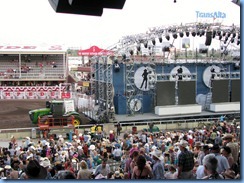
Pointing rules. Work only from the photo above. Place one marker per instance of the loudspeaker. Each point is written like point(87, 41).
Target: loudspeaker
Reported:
point(85, 7)
point(208, 38)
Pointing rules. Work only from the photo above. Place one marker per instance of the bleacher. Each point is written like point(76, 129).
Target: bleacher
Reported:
point(32, 67)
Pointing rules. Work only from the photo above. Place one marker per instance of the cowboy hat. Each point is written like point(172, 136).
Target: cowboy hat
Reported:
point(157, 154)
point(35, 171)
point(183, 143)
point(198, 144)
point(7, 167)
point(227, 136)
point(45, 163)
point(92, 147)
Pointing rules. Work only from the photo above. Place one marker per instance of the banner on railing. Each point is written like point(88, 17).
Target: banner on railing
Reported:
point(33, 92)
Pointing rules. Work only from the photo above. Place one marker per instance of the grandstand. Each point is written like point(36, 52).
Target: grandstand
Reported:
point(32, 72)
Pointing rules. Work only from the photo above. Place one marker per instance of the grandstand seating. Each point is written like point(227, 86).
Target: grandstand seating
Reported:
point(32, 67)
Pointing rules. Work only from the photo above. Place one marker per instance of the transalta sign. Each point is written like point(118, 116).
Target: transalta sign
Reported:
point(215, 14)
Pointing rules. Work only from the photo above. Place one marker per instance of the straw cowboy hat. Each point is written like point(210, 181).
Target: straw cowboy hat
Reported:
point(227, 136)
point(45, 162)
point(157, 154)
point(35, 171)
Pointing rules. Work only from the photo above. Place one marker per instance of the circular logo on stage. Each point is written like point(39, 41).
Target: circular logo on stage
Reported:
point(180, 73)
point(144, 78)
point(209, 73)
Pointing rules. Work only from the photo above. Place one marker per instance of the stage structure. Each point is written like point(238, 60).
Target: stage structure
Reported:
point(149, 75)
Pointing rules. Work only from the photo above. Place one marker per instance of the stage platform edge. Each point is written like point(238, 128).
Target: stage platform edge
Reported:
point(178, 109)
point(224, 107)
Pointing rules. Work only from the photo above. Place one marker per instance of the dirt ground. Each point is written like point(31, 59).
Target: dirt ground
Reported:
point(14, 113)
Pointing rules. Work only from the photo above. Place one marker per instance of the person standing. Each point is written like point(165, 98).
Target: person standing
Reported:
point(185, 161)
point(119, 128)
point(158, 165)
point(210, 164)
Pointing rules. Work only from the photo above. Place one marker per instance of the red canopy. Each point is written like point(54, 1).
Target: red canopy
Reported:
point(94, 50)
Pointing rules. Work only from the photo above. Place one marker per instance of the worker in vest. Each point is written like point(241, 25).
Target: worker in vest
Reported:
point(93, 131)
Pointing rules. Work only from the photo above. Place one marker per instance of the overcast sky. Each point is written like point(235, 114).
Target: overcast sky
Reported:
point(35, 22)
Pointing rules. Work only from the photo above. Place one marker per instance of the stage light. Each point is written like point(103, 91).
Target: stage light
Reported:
point(138, 48)
point(193, 34)
point(145, 44)
point(198, 33)
point(131, 52)
point(203, 32)
point(238, 42)
point(224, 33)
point(153, 42)
point(234, 35)
point(187, 33)
point(181, 34)
point(214, 33)
point(228, 34)
point(219, 33)
point(174, 1)
point(160, 39)
point(175, 36)
point(232, 40)
point(220, 37)
point(167, 37)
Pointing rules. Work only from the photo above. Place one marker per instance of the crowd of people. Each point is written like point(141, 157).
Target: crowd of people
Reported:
point(209, 153)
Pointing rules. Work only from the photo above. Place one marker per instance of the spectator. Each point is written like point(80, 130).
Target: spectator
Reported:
point(185, 161)
point(35, 171)
point(158, 165)
point(223, 163)
point(103, 168)
point(84, 172)
point(210, 163)
point(142, 170)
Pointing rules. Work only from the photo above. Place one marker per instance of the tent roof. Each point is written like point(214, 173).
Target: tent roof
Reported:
point(93, 51)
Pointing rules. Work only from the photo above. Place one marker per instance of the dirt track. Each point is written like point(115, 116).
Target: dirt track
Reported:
point(14, 113)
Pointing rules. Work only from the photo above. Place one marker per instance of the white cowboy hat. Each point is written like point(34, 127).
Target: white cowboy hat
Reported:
point(157, 154)
point(92, 147)
point(28, 138)
point(45, 163)
point(183, 143)
point(7, 167)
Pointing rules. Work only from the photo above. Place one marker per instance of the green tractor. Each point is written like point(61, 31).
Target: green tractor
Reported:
point(56, 109)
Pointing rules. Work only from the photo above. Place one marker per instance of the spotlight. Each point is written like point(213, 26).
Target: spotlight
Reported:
point(238, 42)
point(174, 1)
point(153, 42)
point(193, 34)
point(214, 33)
point(219, 33)
point(226, 39)
point(187, 33)
point(224, 33)
point(124, 56)
point(167, 37)
point(203, 32)
point(220, 37)
point(228, 34)
point(175, 36)
point(234, 35)
point(198, 33)
point(181, 34)
point(138, 48)
point(160, 39)
point(232, 40)
point(145, 44)
point(131, 52)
